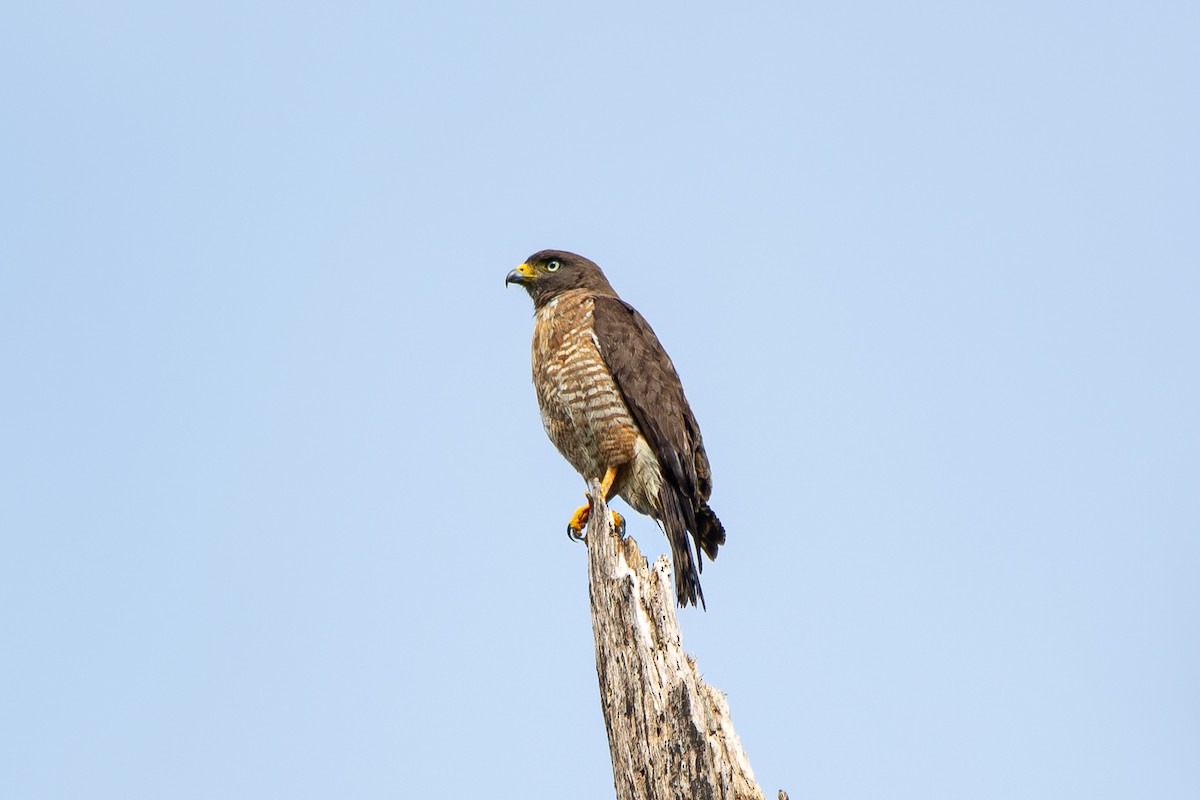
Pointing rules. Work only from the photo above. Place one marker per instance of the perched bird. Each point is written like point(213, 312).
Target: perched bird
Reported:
point(613, 405)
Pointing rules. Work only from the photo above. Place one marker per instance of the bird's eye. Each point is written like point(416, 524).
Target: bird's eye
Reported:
point(552, 266)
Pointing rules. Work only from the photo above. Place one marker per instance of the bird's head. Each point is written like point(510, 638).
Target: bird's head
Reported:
point(548, 273)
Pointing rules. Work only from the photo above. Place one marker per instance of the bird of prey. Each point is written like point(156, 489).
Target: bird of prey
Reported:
point(612, 404)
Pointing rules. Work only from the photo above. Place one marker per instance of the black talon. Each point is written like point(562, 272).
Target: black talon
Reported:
point(574, 535)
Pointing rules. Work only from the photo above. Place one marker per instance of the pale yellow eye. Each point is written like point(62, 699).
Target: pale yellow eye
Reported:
point(552, 266)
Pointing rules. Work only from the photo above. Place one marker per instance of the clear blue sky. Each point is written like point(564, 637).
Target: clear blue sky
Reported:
point(277, 515)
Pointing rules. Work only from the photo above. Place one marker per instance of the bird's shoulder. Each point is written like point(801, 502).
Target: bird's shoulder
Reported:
point(624, 334)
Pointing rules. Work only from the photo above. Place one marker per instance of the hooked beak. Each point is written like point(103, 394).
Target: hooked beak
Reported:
point(521, 275)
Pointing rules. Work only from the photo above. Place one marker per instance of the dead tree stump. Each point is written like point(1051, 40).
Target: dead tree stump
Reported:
point(670, 734)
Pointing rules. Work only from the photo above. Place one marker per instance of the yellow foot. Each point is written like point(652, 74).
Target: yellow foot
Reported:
point(579, 521)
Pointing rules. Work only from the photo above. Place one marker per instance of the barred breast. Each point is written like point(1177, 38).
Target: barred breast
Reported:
point(582, 410)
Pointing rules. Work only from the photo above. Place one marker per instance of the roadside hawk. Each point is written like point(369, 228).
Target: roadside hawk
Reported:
point(613, 405)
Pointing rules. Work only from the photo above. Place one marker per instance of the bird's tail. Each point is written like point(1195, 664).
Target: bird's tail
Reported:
point(708, 533)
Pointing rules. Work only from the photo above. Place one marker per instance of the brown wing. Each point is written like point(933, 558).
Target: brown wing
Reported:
point(647, 379)
point(652, 390)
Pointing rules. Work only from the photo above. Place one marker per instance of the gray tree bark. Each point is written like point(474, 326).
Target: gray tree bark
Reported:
point(669, 733)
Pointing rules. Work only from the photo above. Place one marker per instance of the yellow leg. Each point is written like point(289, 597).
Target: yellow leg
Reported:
point(610, 475)
point(579, 519)
point(618, 521)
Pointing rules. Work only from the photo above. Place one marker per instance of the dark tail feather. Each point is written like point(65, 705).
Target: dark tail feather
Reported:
point(710, 533)
point(687, 577)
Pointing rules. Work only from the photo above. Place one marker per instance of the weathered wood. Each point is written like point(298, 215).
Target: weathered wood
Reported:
point(670, 734)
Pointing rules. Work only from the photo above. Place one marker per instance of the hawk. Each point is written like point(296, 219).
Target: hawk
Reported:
point(612, 404)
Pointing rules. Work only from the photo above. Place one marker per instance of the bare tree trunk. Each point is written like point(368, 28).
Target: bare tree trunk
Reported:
point(669, 733)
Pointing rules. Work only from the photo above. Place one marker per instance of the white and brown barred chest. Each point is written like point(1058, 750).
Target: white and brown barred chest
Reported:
point(582, 409)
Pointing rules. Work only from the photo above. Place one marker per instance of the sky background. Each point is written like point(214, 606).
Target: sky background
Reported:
point(277, 515)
